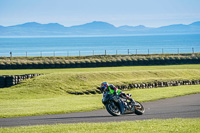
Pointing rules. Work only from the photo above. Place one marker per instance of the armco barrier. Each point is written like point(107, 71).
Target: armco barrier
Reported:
point(10, 80)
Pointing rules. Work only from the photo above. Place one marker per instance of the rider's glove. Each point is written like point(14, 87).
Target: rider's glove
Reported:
point(115, 93)
point(131, 100)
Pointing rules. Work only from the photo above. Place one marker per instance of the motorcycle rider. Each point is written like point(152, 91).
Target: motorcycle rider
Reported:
point(115, 91)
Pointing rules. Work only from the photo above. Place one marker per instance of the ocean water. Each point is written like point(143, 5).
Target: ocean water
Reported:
point(110, 45)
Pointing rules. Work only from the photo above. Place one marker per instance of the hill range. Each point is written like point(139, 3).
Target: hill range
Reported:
point(94, 28)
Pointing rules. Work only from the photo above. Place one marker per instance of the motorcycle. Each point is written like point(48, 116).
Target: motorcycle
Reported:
point(116, 105)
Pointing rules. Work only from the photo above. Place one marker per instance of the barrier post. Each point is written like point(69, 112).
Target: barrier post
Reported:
point(10, 54)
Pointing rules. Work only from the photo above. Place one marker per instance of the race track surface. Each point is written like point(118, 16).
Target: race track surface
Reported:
point(178, 107)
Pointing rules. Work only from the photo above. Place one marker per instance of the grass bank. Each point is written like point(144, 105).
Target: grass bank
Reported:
point(49, 94)
point(100, 69)
point(145, 126)
point(81, 80)
point(50, 59)
point(97, 61)
point(55, 104)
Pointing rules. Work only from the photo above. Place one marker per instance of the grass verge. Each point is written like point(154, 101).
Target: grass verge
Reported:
point(100, 69)
point(82, 80)
point(48, 94)
point(55, 104)
point(145, 126)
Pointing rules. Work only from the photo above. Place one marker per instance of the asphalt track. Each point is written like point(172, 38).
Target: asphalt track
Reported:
point(178, 107)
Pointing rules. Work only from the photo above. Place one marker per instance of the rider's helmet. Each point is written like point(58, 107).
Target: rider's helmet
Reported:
point(104, 85)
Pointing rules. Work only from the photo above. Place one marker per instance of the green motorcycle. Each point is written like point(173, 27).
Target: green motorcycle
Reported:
point(116, 105)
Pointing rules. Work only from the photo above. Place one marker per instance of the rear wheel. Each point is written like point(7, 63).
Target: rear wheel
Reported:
point(139, 109)
point(112, 108)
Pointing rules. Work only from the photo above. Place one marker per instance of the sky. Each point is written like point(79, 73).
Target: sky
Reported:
point(150, 13)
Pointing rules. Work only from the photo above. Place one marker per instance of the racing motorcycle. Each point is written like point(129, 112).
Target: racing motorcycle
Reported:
point(116, 105)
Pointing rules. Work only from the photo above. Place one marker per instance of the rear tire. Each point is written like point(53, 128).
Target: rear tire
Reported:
point(112, 108)
point(139, 109)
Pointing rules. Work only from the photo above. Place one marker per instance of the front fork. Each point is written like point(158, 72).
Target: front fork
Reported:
point(121, 106)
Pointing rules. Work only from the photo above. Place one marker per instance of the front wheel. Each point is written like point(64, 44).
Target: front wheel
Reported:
point(139, 109)
point(112, 108)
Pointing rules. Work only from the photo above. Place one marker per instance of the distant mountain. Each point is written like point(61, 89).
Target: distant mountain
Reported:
point(37, 25)
point(195, 24)
point(95, 25)
point(34, 29)
point(1, 26)
point(139, 28)
point(94, 28)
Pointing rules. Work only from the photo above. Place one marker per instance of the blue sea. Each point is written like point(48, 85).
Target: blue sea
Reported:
point(98, 45)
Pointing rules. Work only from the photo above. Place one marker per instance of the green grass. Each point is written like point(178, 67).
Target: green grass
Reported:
point(71, 103)
point(145, 126)
point(100, 69)
point(95, 57)
point(49, 94)
point(81, 80)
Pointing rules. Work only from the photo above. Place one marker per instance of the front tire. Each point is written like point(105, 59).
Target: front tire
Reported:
point(139, 109)
point(112, 108)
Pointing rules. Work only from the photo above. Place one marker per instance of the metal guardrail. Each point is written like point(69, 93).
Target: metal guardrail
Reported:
point(99, 52)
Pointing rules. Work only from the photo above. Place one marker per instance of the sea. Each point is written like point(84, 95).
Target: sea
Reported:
point(98, 45)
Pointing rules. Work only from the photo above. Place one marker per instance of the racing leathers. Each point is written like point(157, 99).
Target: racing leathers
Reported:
point(115, 91)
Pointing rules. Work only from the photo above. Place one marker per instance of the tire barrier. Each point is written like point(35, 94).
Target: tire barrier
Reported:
point(143, 86)
point(95, 91)
point(158, 84)
point(10, 80)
